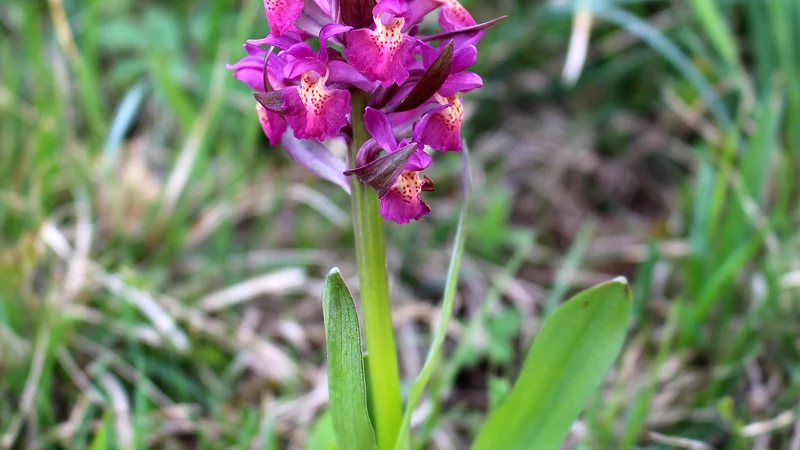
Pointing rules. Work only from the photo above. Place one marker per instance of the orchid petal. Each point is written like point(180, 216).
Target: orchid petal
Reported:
point(282, 14)
point(383, 54)
point(317, 159)
point(380, 129)
point(330, 30)
point(403, 201)
point(341, 72)
point(315, 111)
point(273, 124)
point(460, 82)
point(441, 128)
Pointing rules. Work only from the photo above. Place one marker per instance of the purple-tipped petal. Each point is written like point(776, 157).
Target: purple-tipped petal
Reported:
point(464, 57)
point(460, 82)
point(330, 30)
point(281, 41)
point(454, 16)
point(441, 128)
point(317, 159)
point(396, 8)
point(300, 66)
point(419, 160)
point(383, 54)
point(420, 8)
point(313, 110)
point(300, 50)
point(380, 129)
point(250, 71)
point(403, 202)
point(341, 72)
point(273, 124)
point(282, 14)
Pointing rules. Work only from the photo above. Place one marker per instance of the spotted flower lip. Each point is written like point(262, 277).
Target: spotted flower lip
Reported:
point(414, 83)
point(440, 128)
point(454, 16)
point(282, 14)
point(314, 110)
point(401, 196)
point(385, 53)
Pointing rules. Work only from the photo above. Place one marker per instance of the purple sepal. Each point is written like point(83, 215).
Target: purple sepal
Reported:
point(460, 82)
point(273, 124)
point(317, 159)
point(341, 72)
point(250, 71)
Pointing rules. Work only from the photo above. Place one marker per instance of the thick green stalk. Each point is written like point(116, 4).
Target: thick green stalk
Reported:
point(382, 372)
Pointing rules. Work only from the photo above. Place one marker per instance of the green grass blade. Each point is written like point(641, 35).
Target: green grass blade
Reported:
point(567, 269)
point(566, 363)
point(673, 54)
point(103, 438)
point(403, 438)
point(123, 119)
point(639, 409)
point(714, 24)
point(346, 386)
point(723, 276)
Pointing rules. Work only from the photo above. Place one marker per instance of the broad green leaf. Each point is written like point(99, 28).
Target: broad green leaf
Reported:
point(418, 388)
point(566, 363)
point(347, 390)
point(322, 436)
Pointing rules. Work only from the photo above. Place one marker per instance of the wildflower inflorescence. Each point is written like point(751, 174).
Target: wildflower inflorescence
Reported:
point(375, 47)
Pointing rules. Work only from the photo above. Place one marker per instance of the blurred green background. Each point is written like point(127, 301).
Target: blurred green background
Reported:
point(161, 265)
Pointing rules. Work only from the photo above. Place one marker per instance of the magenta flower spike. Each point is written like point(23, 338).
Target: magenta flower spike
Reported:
point(409, 87)
point(389, 91)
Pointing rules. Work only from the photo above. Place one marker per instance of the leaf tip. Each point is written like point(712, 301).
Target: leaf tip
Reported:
point(625, 285)
point(334, 276)
point(621, 280)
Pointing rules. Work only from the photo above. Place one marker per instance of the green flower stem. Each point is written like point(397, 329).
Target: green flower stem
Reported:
point(382, 373)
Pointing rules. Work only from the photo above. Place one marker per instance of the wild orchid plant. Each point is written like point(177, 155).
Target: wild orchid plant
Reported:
point(364, 72)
